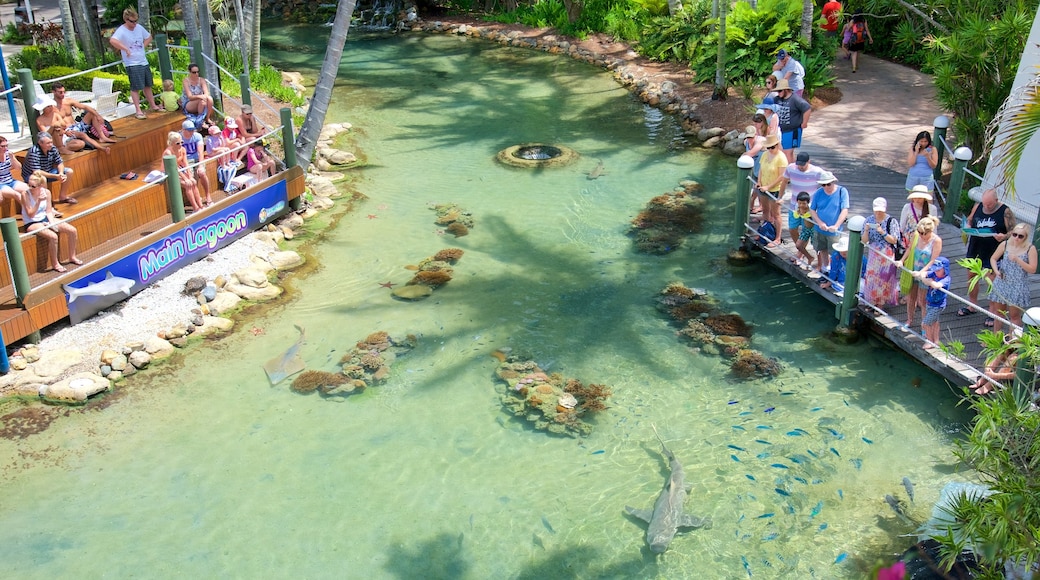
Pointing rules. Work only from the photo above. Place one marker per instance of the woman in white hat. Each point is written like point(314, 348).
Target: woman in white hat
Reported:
point(919, 205)
point(881, 281)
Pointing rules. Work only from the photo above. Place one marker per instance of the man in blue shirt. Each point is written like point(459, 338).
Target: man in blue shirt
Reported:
point(196, 152)
point(44, 156)
point(829, 207)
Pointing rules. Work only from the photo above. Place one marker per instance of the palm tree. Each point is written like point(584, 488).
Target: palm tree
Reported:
point(807, 22)
point(89, 33)
point(1012, 129)
point(254, 35)
point(68, 31)
point(319, 107)
point(144, 14)
point(721, 90)
point(191, 21)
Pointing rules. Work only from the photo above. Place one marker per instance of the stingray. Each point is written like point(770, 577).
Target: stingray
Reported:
point(286, 364)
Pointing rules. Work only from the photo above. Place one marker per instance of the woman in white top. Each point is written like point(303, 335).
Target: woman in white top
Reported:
point(195, 98)
point(38, 216)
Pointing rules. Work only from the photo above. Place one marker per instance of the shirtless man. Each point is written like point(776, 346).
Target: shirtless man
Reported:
point(64, 129)
point(93, 122)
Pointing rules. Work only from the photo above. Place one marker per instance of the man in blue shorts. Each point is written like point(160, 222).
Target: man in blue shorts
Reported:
point(794, 114)
point(196, 152)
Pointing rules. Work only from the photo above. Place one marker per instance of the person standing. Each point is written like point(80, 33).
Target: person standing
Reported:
point(790, 70)
point(831, 11)
point(131, 40)
point(1013, 262)
point(996, 220)
point(924, 249)
point(859, 34)
point(830, 208)
point(881, 281)
point(794, 114)
point(798, 176)
point(768, 111)
point(921, 162)
point(770, 178)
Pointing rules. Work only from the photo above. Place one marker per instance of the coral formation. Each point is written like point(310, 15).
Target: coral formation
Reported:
point(457, 229)
point(457, 220)
point(552, 402)
point(310, 381)
point(449, 255)
point(702, 322)
point(367, 363)
point(432, 279)
point(667, 219)
point(435, 271)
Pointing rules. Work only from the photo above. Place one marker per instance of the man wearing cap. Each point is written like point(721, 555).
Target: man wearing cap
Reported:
point(196, 153)
point(770, 178)
point(829, 208)
point(249, 126)
point(798, 177)
point(791, 70)
point(44, 156)
point(794, 114)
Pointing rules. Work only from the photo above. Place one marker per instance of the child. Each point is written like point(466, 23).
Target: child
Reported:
point(168, 99)
point(216, 146)
point(801, 227)
point(936, 280)
point(233, 139)
point(258, 162)
point(839, 258)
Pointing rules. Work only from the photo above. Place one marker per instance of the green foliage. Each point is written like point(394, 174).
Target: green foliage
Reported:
point(680, 38)
point(268, 80)
point(546, 13)
point(752, 39)
point(746, 87)
point(817, 62)
point(83, 82)
point(14, 34)
point(43, 56)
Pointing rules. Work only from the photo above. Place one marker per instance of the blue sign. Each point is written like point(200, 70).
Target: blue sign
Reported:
point(132, 273)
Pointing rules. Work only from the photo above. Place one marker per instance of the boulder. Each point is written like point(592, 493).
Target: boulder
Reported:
point(340, 157)
point(712, 142)
point(268, 292)
point(158, 347)
point(224, 301)
point(31, 353)
point(75, 389)
point(287, 232)
point(108, 355)
point(322, 186)
point(292, 221)
point(139, 359)
point(119, 363)
point(414, 292)
point(285, 260)
point(252, 276)
point(176, 332)
point(18, 363)
point(57, 362)
point(734, 148)
point(321, 202)
point(214, 324)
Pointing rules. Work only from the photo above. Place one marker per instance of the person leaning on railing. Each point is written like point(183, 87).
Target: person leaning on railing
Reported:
point(38, 217)
point(9, 186)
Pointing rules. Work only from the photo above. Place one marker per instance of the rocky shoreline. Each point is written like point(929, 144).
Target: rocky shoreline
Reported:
point(195, 302)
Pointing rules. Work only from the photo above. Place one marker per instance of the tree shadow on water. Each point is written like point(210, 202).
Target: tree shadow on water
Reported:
point(439, 557)
point(585, 561)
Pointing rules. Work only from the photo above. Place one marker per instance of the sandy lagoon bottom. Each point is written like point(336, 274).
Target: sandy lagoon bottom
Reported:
point(202, 468)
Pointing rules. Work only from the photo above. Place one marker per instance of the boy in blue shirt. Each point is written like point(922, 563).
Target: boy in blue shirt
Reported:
point(936, 280)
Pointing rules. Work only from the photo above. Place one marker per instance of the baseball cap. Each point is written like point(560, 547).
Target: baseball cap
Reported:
point(781, 54)
point(802, 158)
point(188, 126)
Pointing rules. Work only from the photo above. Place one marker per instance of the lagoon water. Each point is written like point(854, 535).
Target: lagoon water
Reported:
point(201, 468)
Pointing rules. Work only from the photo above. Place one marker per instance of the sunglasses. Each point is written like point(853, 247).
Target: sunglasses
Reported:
point(1019, 236)
point(771, 148)
point(131, 21)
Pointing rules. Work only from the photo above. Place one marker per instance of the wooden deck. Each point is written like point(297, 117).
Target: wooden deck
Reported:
point(865, 182)
point(107, 231)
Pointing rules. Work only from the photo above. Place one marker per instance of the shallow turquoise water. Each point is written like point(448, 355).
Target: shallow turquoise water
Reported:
point(208, 470)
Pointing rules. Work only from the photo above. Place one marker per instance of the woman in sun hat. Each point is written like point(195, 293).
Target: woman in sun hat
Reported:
point(880, 284)
point(770, 178)
point(918, 206)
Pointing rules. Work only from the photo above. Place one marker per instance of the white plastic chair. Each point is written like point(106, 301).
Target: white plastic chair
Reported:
point(100, 86)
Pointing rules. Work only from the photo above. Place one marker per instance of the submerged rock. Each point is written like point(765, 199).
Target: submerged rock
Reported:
point(414, 292)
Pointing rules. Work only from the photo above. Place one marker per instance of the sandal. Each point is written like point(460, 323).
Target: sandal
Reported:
point(140, 116)
point(60, 269)
point(964, 311)
point(988, 323)
point(76, 261)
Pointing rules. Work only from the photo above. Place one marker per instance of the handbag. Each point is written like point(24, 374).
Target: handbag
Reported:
point(906, 281)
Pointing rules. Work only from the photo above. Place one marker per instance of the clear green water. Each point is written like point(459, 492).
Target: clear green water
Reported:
point(203, 469)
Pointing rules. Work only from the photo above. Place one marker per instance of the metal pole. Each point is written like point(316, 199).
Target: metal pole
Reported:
point(853, 266)
point(197, 56)
point(941, 124)
point(165, 65)
point(744, 166)
point(243, 82)
point(25, 78)
point(961, 157)
point(173, 188)
point(16, 259)
point(9, 96)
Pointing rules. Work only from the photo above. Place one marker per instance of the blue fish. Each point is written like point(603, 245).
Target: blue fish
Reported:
point(814, 409)
point(737, 448)
point(770, 409)
point(801, 480)
point(741, 518)
point(749, 476)
point(835, 433)
point(764, 516)
point(795, 459)
point(747, 567)
point(857, 463)
point(841, 494)
point(771, 536)
point(779, 466)
point(817, 481)
point(794, 433)
point(732, 402)
point(763, 427)
point(816, 509)
point(739, 428)
point(786, 393)
point(782, 492)
point(802, 431)
point(599, 452)
point(734, 457)
point(822, 527)
point(762, 441)
point(810, 452)
point(835, 451)
point(548, 526)
point(867, 441)
point(742, 413)
point(841, 558)
point(762, 455)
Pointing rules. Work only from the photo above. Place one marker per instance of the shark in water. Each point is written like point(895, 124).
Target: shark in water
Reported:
point(667, 517)
point(597, 171)
point(111, 285)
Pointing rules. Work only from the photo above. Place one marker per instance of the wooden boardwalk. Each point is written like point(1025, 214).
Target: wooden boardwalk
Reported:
point(865, 182)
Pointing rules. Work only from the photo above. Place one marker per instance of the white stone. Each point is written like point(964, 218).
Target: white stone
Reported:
point(224, 301)
point(268, 292)
point(158, 347)
point(75, 388)
point(292, 221)
point(285, 260)
point(340, 157)
point(139, 359)
point(57, 362)
point(253, 276)
point(213, 325)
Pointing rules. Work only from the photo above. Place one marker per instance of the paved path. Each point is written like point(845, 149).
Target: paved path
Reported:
point(883, 107)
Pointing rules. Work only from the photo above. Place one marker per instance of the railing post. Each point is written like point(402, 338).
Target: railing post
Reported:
point(961, 157)
point(289, 145)
point(198, 57)
point(941, 124)
point(173, 188)
point(25, 78)
point(15, 257)
point(853, 266)
point(1025, 369)
point(744, 166)
point(165, 64)
point(243, 82)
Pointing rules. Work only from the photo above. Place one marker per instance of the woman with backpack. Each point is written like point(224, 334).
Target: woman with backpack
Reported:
point(881, 281)
point(859, 34)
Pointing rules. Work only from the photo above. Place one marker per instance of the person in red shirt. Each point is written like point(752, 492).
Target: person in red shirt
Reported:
point(831, 11)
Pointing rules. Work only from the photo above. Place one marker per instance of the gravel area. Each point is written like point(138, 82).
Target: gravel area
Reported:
point(157, 307)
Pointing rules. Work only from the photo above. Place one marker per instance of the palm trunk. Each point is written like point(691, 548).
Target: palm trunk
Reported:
point(68, 29)
point(674, 6)
point(144, 14)
point(87, 30)
point(191, 21)
point(205, 18)
point(254, 35)
point(240, 21)
point(721, 90)
point(807, 14)
point(319, 107)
